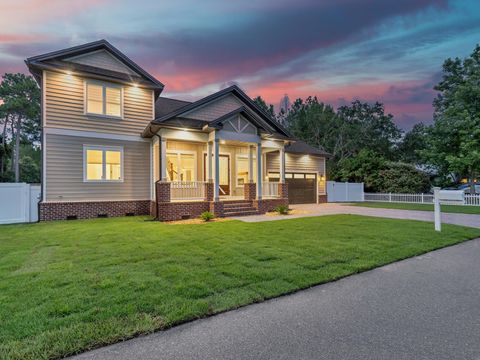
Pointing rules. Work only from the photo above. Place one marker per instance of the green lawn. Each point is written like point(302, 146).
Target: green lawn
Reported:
point(71, 286)
point(422, 207)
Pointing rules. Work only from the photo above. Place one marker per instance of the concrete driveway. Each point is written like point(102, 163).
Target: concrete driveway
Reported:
point(426, 307)
point(334, 208)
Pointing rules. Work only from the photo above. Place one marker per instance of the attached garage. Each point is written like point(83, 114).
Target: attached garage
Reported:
point(301, 188)
point(304, 172)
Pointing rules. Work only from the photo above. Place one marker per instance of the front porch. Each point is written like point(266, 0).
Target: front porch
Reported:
point(225, 177)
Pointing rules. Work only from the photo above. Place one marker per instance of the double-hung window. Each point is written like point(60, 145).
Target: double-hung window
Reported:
point(102, 163)
point(243, 168)
point(181, 166)
point(103, 99)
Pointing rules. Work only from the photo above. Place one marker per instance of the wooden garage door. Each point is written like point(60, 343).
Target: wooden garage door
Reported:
point(301, 188)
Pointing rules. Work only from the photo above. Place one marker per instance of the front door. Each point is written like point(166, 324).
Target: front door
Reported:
point(224, 173)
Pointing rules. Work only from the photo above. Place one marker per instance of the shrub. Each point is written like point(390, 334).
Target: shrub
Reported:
point(282, 209)
point(206, 216)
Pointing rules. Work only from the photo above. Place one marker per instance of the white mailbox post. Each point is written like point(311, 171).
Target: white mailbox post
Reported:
point(445, 197)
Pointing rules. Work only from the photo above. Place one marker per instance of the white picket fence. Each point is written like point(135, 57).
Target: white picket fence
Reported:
point(468, 199)
point(18, 202)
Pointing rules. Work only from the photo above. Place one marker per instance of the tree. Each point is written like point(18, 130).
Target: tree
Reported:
point(269, 109)
point(20, 112)
point(454, 139)
point(380, 175)
point(346, 132)
point(413, 143)
point(372, 128)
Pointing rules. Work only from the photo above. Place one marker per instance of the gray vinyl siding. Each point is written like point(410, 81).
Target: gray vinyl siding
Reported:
point(102, 59)
point(214, 110)
point(296, 163)
point(64, 170)
point(64, 107)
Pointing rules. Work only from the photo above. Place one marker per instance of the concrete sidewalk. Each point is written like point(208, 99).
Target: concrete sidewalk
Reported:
point(335, 208)
point(427, 307)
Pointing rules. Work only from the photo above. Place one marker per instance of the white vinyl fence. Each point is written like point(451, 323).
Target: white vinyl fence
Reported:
point(344, 191)
point(468, 199)
point(18, 202)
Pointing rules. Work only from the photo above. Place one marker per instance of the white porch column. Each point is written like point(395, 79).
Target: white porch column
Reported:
point(216, 182)
point(282, 165)
point(250, 164)
point(209, 161)
point(259, 171)
point(163, 159)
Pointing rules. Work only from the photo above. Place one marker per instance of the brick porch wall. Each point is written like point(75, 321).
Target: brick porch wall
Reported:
point(266, 205)
point(87, 210)
point(170, 211)
point(322, 199)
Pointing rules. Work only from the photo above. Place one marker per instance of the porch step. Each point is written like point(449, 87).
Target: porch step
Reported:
point(238, 208)
point(240, 213)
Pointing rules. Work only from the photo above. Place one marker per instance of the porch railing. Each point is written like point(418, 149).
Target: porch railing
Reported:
point(187, 190)
point(270, 189)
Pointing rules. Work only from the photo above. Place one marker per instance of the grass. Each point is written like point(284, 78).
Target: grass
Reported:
point(458, 209)
point(66, 287)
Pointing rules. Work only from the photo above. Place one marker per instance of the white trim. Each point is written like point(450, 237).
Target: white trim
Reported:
point(94, 134)
point(92, 200)
point(104, 85)
point(44, 137)
point(178, 153)
point(104, 149)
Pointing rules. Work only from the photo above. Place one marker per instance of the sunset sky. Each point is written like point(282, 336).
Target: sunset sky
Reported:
point(386, 50)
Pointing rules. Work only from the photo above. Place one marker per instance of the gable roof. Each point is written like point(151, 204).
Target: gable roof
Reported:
point(58, 60)
point(235, 90)
point(242, 110)
point(164, 106)
point(301, 147)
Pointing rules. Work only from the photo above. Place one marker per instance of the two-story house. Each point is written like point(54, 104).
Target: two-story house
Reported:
point(113, 146)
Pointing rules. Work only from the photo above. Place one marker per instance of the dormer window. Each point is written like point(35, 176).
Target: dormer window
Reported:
point(103, 99)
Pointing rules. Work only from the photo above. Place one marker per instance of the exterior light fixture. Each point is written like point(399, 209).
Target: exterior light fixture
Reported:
point(135, 85)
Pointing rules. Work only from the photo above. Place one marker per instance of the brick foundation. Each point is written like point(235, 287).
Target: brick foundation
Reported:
point(266, 205)
point(322, 199)
point(92, 209)
point(169, 211)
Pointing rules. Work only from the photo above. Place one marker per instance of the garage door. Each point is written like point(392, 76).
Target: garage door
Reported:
point(301, 188)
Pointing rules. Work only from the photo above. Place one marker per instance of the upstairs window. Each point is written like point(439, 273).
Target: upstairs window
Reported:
point(102, 163)
point(103, 99)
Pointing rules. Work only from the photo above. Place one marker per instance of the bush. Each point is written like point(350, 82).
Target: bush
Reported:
point(207, 216)
point(282, 209)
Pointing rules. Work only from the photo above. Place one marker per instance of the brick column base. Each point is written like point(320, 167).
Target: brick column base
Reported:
point(249, 191)
point(283, 190)
point(209, 191)
point(216, 207)
point(322, 199)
